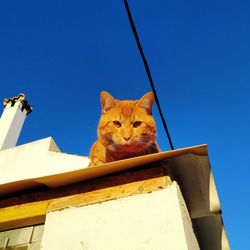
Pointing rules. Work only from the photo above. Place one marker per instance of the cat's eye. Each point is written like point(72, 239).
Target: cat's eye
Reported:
point(137, 124)
point(117, 124)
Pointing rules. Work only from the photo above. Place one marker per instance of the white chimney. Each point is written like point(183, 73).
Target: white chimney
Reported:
point(11, 122)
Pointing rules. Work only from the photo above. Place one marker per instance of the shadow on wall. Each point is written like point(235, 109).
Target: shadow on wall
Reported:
point(194, 176)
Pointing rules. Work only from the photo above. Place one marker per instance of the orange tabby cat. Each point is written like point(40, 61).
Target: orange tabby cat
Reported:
point(126, 129)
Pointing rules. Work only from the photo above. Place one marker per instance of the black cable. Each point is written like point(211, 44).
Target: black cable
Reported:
point(148, 71)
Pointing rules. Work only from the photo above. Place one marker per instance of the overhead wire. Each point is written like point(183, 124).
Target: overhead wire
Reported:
point(132, 25)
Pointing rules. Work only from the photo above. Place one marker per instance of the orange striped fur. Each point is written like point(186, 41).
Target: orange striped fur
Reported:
point(126, 129)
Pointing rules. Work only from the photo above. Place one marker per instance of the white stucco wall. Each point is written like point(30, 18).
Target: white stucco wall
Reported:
point(153, 221)
point(37, 159)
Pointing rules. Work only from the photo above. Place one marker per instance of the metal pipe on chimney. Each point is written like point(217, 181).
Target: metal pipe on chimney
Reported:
point(12, 119)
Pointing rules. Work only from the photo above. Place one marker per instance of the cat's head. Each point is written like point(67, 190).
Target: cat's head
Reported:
point(127, 126)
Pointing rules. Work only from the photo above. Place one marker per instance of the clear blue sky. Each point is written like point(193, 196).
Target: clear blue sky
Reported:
point(61, 54)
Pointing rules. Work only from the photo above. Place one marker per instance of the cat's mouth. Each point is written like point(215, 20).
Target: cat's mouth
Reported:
point(133, 145)
point(130, 146)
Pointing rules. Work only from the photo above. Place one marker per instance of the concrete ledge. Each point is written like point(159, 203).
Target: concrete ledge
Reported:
point(21, 164)
point(31, 208)
point(190, 167)
point(157, 220)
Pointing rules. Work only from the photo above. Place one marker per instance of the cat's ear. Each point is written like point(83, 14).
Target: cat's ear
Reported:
point(107, 101)
point(146, 102)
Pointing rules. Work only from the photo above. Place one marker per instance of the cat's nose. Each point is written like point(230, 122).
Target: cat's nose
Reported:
point(126, 137)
